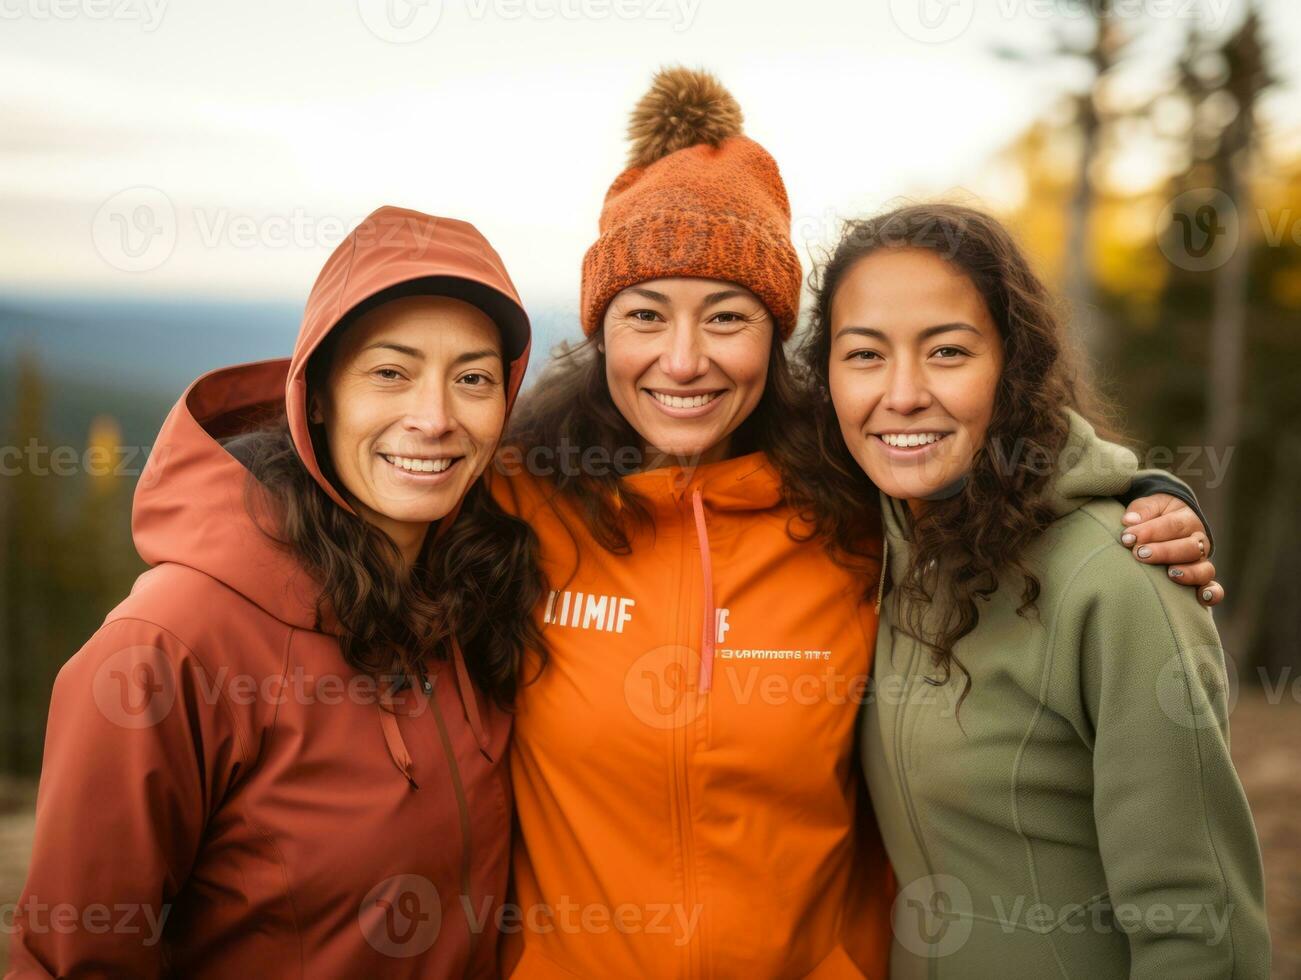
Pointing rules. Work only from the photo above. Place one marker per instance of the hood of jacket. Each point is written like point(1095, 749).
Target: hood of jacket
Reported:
point(191, 506)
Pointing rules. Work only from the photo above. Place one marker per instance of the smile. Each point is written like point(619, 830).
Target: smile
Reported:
point(684, 401)
point(910, 440)
point(418, 464)
point(685, 405)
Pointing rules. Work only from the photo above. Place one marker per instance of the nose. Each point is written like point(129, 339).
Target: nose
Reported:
point(429, 414)
point(684, 359)
point(906, 390)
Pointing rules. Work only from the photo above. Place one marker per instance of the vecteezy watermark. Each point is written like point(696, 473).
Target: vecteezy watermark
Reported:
point(571, 459)
point(147, 13)
point(931, 916)
point(137, 687)
point(939, 21)
point(933, 21)
point(1186, 919)
point(1283, 230)
point(1199, 230)
point(409, 21)
point(135, 229)
point(138, 229)
point(36, 918)
point(661, 687)
point(400, 21)
point(403, 915)
point(892, 232)
point(1204, 463)
point(1197, 687)
point(35, 458)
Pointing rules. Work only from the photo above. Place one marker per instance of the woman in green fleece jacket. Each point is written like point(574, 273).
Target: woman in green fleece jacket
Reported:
point(1046, 742)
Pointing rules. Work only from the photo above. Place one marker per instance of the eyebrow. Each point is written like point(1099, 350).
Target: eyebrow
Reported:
point(926, 334)
point(721, 295)
point(475, 355)
point(708, 300)
point(470, 355)
point(400, 348)
point(649, 294)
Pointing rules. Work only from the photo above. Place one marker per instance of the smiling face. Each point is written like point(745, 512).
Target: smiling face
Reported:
point(915, 363)
point(413, 406)
point(686, 361)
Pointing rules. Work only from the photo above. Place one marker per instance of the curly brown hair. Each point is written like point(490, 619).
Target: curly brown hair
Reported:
point(982, 531)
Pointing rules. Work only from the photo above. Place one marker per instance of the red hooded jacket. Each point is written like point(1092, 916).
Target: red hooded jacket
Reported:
point(221, 795)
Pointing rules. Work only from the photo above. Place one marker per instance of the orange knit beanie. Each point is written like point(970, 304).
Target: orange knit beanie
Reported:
point(698, 199)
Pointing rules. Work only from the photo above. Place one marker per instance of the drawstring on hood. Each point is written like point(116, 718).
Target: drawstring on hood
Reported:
point(747, 483)
point(197, 516)
point(706, 679)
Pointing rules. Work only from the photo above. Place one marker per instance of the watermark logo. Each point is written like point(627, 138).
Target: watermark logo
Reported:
point(932, 21)
point(400, 21)
point(1199, 230)
point(147, 13)
point(932, 916)
point(135, 687)
point(1197, 687)
point(135, 229)
point(401, 916)
point(660, 687)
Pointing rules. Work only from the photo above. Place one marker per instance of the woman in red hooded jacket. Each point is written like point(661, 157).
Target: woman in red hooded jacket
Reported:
point(274, 759)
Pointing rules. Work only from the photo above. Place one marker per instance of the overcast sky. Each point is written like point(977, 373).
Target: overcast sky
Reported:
point(222, 147)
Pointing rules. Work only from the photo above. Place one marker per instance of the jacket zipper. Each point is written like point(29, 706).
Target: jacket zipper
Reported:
point(462, 806)
point(900, 762)
point(682, 743)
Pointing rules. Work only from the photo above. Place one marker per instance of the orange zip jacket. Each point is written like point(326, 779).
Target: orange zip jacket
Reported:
point(687, 796)
point(221, 795)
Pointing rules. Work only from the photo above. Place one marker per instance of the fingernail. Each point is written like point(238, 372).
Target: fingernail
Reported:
point(1207, 595)
point(1176, 573)
point(1131, 516)
point(1145, 552)
point(1127, 539)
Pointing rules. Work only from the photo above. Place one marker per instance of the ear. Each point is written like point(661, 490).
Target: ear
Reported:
point(315, 412)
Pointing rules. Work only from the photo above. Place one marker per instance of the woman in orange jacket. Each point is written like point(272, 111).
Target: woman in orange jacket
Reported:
point(273, 759)
point(688, 801)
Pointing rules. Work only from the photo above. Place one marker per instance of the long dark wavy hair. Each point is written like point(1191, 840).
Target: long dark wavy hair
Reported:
point(478, 583)
point(571, 405)
point(982, 532)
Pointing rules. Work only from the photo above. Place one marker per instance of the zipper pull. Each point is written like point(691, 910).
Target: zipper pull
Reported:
point(425, 683)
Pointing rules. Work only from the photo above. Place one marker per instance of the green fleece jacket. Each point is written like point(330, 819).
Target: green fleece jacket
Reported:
point(1080, 816)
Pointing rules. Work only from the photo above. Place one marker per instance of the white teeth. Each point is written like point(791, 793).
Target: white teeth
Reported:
point(906, 441)
point(413, 465)
point(673, 401)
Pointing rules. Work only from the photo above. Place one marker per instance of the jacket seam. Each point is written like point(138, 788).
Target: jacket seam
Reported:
point(1050, 649)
